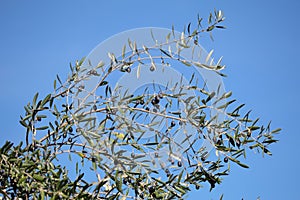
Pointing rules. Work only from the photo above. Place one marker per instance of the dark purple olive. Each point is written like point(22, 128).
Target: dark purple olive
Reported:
point(128, 69)
point(142, 102)
point(226, 159)
point(152, 68)
point(179, 163)
point(172, 124)
point(95, 107)
point(160, 95)
point(151, 189)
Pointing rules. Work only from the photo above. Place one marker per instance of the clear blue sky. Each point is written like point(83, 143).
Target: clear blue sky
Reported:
point(260, 49)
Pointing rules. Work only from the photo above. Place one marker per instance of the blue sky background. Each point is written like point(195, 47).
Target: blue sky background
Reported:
point(260, 49)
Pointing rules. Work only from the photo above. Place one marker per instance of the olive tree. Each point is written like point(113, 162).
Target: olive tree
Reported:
point(95, 138)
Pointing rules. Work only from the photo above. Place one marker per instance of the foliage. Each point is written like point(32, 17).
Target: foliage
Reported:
point(29, 173)
point(106, 133)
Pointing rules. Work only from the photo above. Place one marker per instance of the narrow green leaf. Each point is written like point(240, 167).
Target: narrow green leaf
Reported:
point(164, 52)
point(54, 84)
point(209, 56)
point(58, 79)
point(186, 63)
point(35, 98)
point(38, 177)
point(276, 130)
point(23, 124)
point(138, 71)
point(46, 100)
point(238, 162)
point(123, 51)
point(221, 197)
point(42, 128)
point(221, 27)
point(210, 28)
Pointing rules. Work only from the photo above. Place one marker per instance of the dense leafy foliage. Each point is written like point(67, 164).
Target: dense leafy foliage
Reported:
point(103, 132)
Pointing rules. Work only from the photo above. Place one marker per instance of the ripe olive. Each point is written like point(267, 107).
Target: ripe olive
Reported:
point(152, 68)
point(172, 124)
point(128, 69)
point(160, 95)
point(153, 101)
point(179, 163)
point(167, 171)
point(151, 189)
point(156, 100)
point(226, 159)
point(95, 107)
point(142, 102)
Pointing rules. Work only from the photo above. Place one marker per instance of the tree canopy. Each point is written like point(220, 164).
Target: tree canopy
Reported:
point(105, 141)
